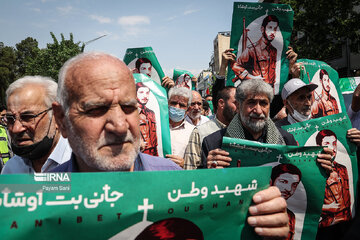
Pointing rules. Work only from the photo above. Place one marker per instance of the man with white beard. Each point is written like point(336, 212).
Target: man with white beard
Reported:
point(194, 111)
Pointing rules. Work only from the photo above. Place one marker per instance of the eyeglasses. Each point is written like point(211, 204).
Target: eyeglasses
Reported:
point(25, 119)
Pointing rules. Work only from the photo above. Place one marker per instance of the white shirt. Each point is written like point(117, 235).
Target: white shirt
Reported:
point(203, 120)
point(60, 154)
point(180, 137)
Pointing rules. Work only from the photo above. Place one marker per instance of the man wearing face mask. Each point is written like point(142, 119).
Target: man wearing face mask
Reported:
point(298, 99)
point(35, 139)
point(180, 130)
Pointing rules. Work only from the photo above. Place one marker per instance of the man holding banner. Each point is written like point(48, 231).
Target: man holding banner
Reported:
point(97, 112)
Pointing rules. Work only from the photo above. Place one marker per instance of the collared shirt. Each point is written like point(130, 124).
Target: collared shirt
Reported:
point(180, 138)
point(143, 162)
point(192, 158)
point(203, 120)
point(60, 154)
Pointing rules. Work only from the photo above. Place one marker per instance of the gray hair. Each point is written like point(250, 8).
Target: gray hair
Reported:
point(47, 83)
point(181, 91)
point(253, 87)
point(62, 92)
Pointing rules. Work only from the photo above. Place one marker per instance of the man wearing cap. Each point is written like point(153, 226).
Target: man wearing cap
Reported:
point(298, 99)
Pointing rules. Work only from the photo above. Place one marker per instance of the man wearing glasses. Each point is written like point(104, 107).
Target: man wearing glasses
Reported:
point(35, 138)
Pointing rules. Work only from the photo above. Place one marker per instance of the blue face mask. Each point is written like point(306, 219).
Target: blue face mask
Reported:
point(176, 114)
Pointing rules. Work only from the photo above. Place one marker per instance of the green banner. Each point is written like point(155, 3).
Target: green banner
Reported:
point(182, 78)
point(348, 85)
point(294, 172)
point(260, 35)
point(328, 99)
point(143, 60)
point(127, 205)
point(330, 131)
point(154, 116)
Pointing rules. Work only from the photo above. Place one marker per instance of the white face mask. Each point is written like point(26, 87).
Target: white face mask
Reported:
point(298, 116)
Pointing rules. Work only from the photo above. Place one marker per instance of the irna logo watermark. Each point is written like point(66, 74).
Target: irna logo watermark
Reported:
point(52, 177)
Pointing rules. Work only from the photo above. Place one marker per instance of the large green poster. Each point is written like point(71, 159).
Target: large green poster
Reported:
point(328, 99)
point(330, 131)
point(143, 60)
point(260, 35)
point(154, 116)
point(295, 173)
point(124, 205)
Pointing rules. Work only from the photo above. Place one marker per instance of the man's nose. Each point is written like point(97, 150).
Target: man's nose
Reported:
point(17, 127)
point(116, 121)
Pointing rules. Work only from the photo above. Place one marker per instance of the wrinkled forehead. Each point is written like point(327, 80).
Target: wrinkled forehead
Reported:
point(257, 97)
point(97, 75)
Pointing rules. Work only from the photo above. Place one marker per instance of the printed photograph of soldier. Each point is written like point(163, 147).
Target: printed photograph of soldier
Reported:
point(147, 121)
point(287, 178)
point(326, 98)
point(143, 65)
point(258, 57)
point(337, 201)
point(184, 80)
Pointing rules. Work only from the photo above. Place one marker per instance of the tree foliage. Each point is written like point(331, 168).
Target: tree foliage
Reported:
point(7, 68)
point(28, 59)
point(322, 27)
point(50, 59)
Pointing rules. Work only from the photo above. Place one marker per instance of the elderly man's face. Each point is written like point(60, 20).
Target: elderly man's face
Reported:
point(145, 68)
point(24, 102)
point(287, 184)
point(195, 108)
point(254, 112)
point(301, 100)
point(103, 121)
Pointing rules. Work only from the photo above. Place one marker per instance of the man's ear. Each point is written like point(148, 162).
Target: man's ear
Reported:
point(221, 103)
point(59, 115)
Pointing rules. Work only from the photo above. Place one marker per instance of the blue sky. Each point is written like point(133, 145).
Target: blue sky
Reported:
point(181, 33)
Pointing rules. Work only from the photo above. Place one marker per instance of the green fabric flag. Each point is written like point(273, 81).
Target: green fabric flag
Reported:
point(182, 78)
point(330, 131)
point(123, 205)
point(260, 36)
point(294, 172)
point(327, 96)
point(143, 60)
point(348, 85)
point(154, 116)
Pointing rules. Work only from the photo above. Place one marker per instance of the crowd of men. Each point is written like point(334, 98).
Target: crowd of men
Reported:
point(96, 118)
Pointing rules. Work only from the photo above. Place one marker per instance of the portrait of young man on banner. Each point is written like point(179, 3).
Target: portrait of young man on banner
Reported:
point(258, 51)
point(260, 36)
point(143, 60)
point(153, 113)
point(287, 177)
point(326, 96)
point(147, 120)
point(184, 80)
